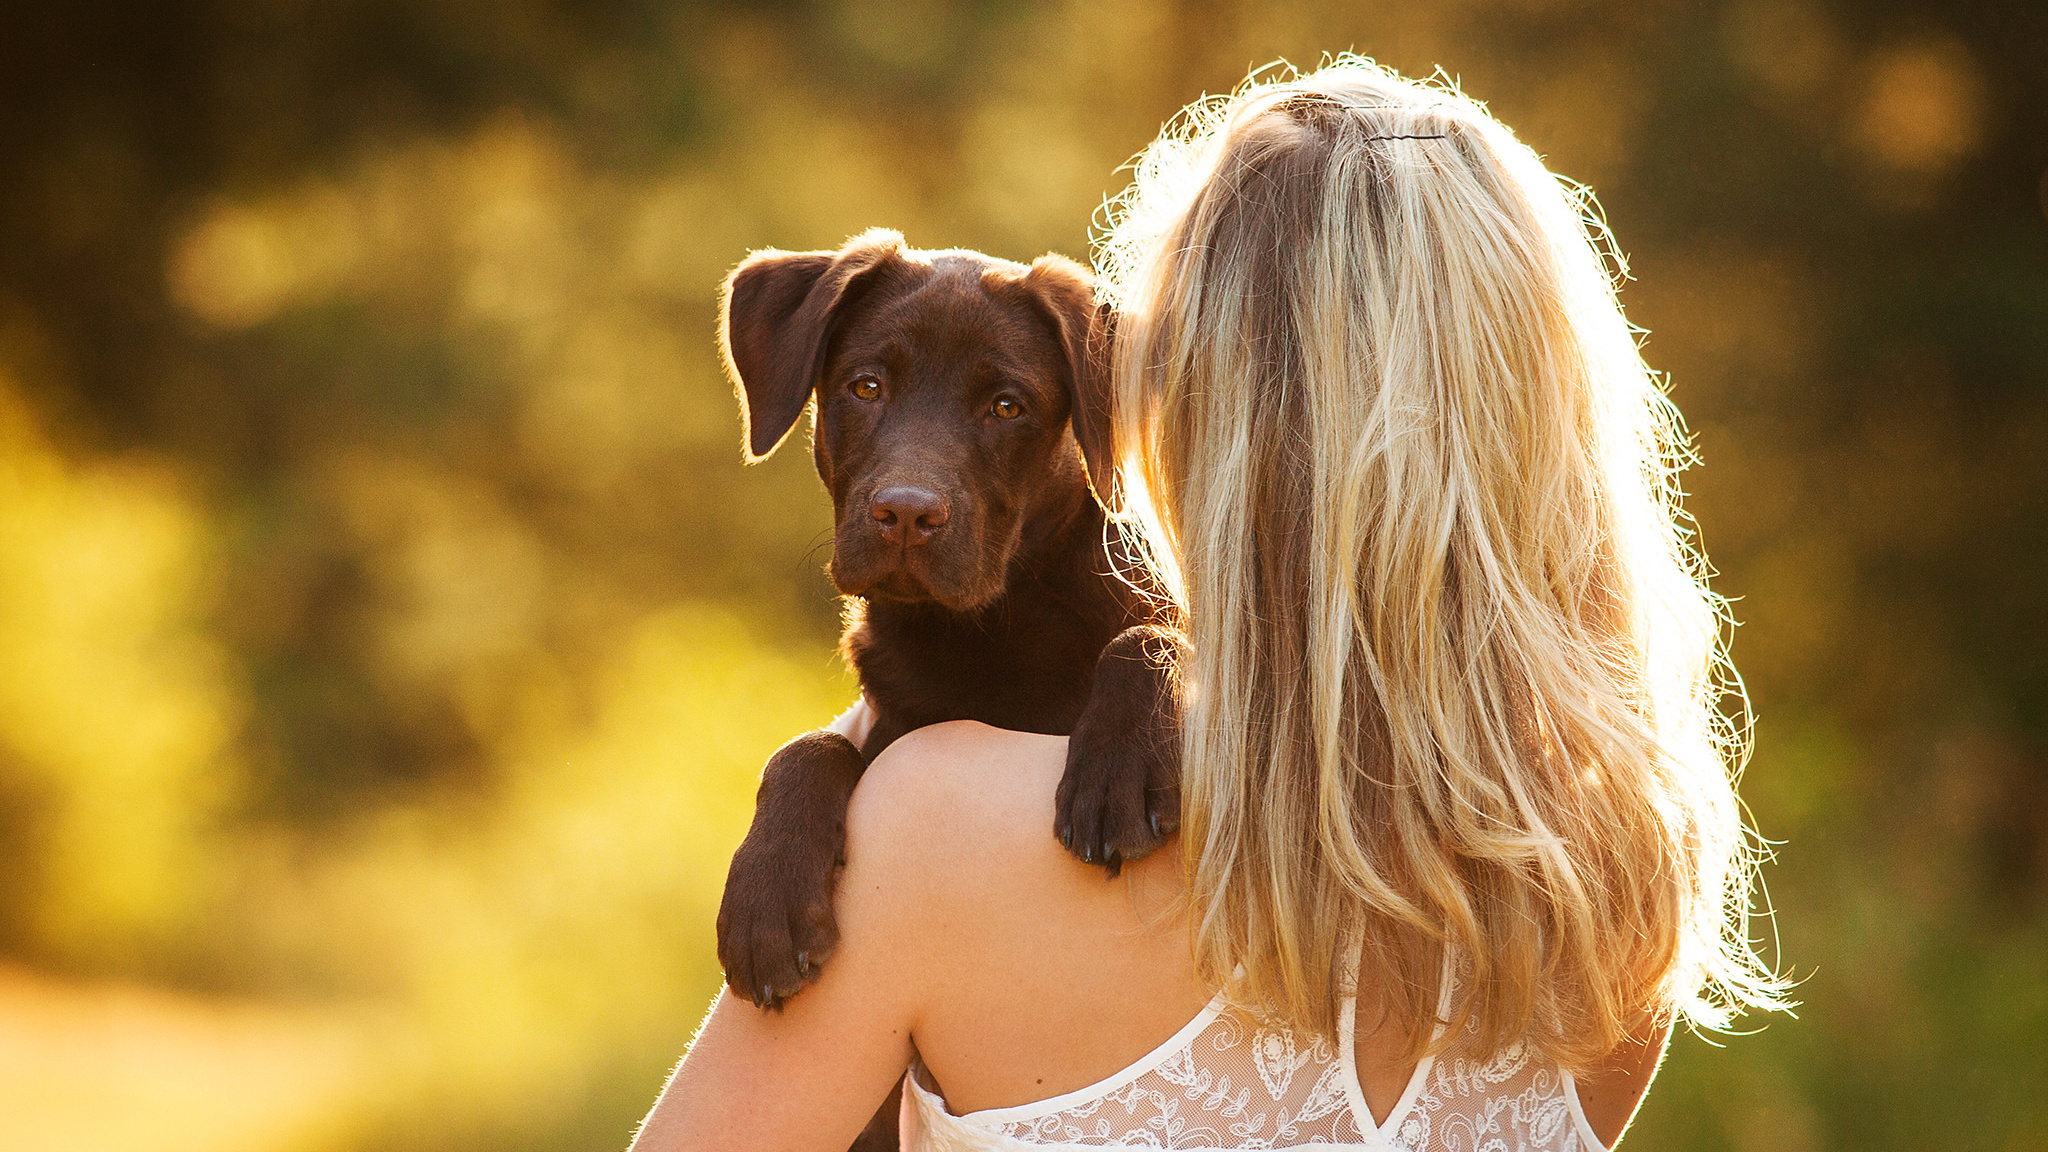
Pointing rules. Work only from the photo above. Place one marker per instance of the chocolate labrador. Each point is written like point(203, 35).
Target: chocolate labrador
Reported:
point(961, 410)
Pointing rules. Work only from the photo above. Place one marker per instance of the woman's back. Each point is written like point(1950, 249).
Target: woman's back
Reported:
point(1071, 1015)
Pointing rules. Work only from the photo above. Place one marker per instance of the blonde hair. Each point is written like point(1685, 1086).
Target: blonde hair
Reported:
point(1455, 675)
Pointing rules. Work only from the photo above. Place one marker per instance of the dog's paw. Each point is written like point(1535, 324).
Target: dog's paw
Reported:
point(775, 923)
point(1120, 795)
point(1106, 813)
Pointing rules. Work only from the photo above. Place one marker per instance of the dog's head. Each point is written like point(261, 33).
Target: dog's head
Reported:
point(962, 404)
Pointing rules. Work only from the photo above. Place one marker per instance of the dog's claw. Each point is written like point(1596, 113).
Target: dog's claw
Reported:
point(1067, 837)
point(1152, 818)
point(803, 964)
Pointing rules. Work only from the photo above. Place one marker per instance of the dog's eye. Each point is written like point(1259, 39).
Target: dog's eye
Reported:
point(866, 388)
point(1006, 408)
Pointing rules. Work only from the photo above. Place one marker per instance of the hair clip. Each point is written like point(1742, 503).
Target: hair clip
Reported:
point(1396, 136)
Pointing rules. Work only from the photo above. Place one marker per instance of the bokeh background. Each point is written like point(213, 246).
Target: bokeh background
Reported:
point(390, 635)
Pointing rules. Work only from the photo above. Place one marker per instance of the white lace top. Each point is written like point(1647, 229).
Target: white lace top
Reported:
point(1227, 1081)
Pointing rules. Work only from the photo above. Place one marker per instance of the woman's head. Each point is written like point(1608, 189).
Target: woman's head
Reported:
point(1454, 667)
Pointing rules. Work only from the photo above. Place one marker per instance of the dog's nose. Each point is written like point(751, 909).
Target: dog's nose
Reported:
point(908, 515)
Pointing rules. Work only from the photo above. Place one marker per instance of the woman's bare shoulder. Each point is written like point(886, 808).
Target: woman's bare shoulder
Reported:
point(955, 821)
point(959, 813)
point(962, 781)
point(965, 792)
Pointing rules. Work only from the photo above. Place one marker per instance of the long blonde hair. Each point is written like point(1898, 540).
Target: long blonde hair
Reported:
point(1456, 677)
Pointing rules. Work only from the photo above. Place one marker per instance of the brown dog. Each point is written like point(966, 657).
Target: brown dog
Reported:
point(961, 407)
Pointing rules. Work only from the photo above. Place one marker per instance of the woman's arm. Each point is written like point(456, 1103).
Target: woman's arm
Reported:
point(811, 1075)
point(807, 1078)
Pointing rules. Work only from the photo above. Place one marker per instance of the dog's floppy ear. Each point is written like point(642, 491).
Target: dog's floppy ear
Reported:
point(777, 318)
point(1066, 291)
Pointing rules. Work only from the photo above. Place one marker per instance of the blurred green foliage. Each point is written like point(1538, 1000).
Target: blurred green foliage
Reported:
point(389, 635)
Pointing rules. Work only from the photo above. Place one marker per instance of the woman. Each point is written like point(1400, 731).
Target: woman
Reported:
point(1459, 844)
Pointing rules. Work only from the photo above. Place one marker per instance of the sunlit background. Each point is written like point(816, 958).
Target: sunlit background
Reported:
point(389, 634)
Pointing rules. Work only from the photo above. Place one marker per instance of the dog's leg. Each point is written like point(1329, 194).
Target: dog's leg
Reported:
point(1120, 796)
point(775, 923)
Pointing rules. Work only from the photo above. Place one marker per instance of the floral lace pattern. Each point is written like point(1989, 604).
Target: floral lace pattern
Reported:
point(1235, 1084)
point(1232, 1082)
point(1505, 1103)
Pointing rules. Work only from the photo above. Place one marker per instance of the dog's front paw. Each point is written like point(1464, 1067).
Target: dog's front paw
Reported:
point(775, 922)
point(1106, 813)
point(1120, 796)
